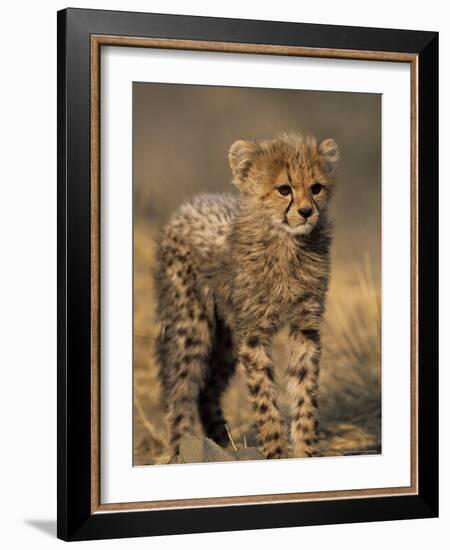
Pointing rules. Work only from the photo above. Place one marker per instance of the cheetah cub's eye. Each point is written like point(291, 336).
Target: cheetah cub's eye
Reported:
point(316, 188)
point(284, 190)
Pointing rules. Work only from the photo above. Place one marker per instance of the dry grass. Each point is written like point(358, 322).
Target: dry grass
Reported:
point(350, 383)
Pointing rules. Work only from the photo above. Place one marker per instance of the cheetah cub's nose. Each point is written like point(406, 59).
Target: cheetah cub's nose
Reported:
point(305, 212)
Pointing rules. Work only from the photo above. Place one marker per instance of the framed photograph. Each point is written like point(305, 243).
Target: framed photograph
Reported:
point(247, 257)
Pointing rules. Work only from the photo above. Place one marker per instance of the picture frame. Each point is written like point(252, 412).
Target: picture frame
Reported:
point(81, 36)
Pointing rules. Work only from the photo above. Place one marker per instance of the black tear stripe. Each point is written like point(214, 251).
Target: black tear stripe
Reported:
point(292, 195)
point(287, 209)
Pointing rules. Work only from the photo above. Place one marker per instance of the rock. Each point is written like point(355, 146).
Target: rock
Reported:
point(202, 449)
point(249, 453)
point(195, 449)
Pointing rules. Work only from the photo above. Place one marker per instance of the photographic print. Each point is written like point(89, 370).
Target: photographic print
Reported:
point(257, 273)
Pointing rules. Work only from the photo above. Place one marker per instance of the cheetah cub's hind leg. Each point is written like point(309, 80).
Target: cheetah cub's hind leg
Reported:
point(183, 351)
point(222, 365)
point(184, 363)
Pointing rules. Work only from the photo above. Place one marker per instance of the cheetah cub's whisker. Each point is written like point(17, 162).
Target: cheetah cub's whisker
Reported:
point(231, 273)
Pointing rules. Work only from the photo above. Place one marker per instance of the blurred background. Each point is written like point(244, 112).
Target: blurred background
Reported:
point(181, 136)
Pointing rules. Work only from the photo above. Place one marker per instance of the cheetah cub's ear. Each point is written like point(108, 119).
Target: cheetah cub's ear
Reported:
point(241, 157)
point(329, 152)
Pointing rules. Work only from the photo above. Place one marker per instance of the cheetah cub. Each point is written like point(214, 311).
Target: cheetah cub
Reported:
point(231, 273)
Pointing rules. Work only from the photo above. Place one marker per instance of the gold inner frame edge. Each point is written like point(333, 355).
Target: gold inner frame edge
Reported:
point(97, 41)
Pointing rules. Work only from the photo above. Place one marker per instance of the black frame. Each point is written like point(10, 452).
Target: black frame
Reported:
point(75, 521)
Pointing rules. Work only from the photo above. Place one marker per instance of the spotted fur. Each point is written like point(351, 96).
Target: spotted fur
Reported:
point(231, 273)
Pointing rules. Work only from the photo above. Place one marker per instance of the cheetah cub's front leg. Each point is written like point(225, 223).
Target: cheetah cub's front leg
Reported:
point(302, 388)
point(256, 359)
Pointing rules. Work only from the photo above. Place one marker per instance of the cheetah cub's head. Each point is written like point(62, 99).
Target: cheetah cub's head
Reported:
point(287, 181)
